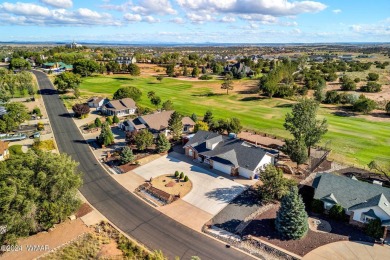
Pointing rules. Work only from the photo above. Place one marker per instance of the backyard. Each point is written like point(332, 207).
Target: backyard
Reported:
point(354, 140)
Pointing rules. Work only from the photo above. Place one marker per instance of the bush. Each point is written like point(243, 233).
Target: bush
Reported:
point(371, 87)
point(374, 228)
point(364, 105)
point(97, 123)
point(177, 174)
point(40, 126)
point(205, 77)
point(357, 80)
point(337, 212)
point(372, 76)
point(317, 206)
point(181, 176)
point(348, 85)
point(109, 120)
point(332, 97)
point(186, 178)
point(15, 149)
point(37, 111)
point(115, 119)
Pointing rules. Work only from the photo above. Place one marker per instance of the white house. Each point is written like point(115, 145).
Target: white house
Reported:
point(229, 155)
point(97, 102)
point(120, 107)
point(362, 201)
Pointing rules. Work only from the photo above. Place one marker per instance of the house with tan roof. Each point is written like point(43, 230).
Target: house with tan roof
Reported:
point(156, 123)
point(120, 107)
point(97, 102)
point(4, 153)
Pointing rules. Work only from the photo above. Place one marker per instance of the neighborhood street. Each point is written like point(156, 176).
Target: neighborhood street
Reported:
point(122, 208)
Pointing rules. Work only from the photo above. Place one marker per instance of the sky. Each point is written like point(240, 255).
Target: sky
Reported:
point(196, 21)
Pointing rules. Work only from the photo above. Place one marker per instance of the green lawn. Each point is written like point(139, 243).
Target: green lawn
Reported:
point(353, 140)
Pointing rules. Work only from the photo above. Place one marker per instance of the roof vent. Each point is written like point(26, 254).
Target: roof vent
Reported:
point(377, 182)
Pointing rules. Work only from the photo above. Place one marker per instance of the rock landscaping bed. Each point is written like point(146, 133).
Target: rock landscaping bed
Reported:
point(172, 185)
point(262, 227)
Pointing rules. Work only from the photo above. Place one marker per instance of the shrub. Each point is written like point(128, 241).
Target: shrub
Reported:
point(364, 105)
point(109, 120)
point(317, 206)
point(372, 76)
point(177, 174)
point(371, 87)
point(115, 119)
point(332, 97)
point(348, 85)
point(40, 126)
point(337, 212)
point(388, 108)
point(98, 122)
point(181, 176)
point(37, 111)
point(186, 178)
point(357, 80)
point(205, 77)
point(374, 228)
point(15, 149)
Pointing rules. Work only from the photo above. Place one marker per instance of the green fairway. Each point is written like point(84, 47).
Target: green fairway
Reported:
point(353, 140)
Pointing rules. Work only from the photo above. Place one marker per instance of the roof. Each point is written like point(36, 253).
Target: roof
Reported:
point(121, 104)
point(3, 147)
point(351, 194)
point(95, 100)
point(371, 214)
point(159, 120)
point(228, 151)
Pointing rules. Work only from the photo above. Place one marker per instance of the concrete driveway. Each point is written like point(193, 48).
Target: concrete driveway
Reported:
point(210, 192)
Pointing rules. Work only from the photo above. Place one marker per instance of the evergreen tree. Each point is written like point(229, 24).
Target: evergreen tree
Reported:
point(291, 219)
point(167, 105)
point(115, 119)
point(162, 143)
point(127, 155)
point(98, 123)
point(106, 137)
point(195, 72)
point(109, 120)
point(194, 117)
point(208, 117)
point(175, 125)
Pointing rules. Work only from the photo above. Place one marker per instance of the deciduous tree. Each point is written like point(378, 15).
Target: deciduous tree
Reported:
point(133, 69)
point(143, 139)
point(128, 92)
point(227, 84)
point(81, 110)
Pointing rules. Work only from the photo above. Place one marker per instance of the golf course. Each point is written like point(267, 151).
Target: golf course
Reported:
point(353, 140)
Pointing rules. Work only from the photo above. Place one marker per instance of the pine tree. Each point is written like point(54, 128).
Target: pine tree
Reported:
point(106, 137)
point(127, 155)
point(291, 219)
point(98, 122)
point(162, 143)
point(115, 119)
point(175, 125)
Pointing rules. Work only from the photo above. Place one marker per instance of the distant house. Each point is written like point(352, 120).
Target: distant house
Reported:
point(346, 57)
point(362, 201)
point(121, 107)
point(73, 45)
point(4, 153)
point(6, 59)
point(239, 68)
point(57, 66)
point(156, 123)
point(97, 102)
point(126, 60)
point(229, 155)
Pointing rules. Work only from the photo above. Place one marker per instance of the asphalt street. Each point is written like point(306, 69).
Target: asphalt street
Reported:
point(124, 209)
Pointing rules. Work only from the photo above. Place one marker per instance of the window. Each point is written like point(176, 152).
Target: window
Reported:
point(366, 219)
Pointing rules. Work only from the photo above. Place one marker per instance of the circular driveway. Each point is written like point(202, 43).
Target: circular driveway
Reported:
point(349, 250)
point(210, 192)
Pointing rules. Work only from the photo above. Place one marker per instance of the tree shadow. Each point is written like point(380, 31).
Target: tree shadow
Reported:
point(225, 194)
point(229, 225)
point(251, 98)
point(122, 79)
point(208, 95)
point(284, 105)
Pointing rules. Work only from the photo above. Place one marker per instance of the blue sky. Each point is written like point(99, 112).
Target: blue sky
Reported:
point(196, 21)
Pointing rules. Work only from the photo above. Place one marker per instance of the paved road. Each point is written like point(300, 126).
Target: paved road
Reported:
point(121, 207)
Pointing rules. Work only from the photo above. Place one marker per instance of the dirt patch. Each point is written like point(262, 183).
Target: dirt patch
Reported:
point(171, 185)
point(263, 227)
point(110, 251)
point(83, 210)
point(151, 69)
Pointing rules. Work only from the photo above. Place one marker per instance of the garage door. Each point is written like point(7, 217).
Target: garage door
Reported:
point(222, 167)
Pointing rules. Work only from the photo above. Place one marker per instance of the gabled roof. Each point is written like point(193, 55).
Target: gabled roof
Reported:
point(330, 198)
point(379, 200)
point(228, 151)
point(371, 214)
point(121, 104)
point(159, 120)
point(351, 194)
point(95, 100)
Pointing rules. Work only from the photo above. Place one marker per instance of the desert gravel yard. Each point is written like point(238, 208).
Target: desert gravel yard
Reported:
point(210, 192)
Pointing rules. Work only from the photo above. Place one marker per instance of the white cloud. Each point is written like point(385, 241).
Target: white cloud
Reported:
point(177, 20)
point(132, 17)
point(151, 19)
point(58, 3)
point(32, 14)
point(265, 19)
point(200, 18)
point(228, 19)
point(147, 7)
point(336, 11)
point(263, 7)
